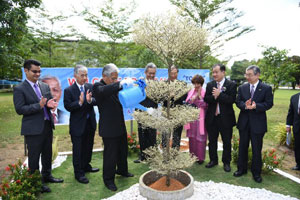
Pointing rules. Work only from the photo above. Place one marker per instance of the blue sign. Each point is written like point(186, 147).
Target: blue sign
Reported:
point(66, 78)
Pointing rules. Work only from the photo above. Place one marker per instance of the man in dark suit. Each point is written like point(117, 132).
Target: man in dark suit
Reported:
point(147, 136)
point(79, 102)
point(112, 127)
point(293, 119)
point(33, 100)
point(220, 96)
point(254, 99)
point(59, 116)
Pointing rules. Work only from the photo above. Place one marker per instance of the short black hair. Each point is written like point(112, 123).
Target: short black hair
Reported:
point(28, 63)
point(222, 67)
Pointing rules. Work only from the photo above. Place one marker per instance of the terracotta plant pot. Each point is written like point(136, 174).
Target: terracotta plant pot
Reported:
point(151, 194)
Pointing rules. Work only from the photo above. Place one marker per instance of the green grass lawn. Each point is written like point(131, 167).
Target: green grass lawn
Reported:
point(71, 189)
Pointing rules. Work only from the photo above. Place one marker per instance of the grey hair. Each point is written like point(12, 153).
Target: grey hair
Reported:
point(80, 68)
point(50, 77)
point(109, 68)
point(150, 66)
point(174, 67)
point(255, 69)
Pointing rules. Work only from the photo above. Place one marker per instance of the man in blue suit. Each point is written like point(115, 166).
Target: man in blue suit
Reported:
point(79, 102)
point(254, 99)
point(33, 100)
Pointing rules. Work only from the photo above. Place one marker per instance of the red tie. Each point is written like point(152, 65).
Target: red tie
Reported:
point(54, 118)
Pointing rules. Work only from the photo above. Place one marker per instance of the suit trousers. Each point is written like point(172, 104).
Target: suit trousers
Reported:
point(256, 144)
point(114, 157)
point(82, 150)
point(147, 138)
point(40, 145)
point(213, 134)
point(297, 147)
point(175, 139)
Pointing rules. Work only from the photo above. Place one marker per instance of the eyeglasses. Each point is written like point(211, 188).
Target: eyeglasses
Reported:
point(249, 75)
point(36, 71)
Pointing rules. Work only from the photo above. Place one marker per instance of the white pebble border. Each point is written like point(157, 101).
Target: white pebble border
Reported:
point(210, 190)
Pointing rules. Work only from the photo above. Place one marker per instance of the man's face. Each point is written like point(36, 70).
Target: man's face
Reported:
point(150, 73)
point(217, 74)
point(251, 78)
point(173, 74)
point(113, 78)
point(81, 77)
point(33, 74)
point(54, 88)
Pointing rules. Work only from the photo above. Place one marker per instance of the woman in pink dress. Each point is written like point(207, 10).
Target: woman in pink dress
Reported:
point(196, 131)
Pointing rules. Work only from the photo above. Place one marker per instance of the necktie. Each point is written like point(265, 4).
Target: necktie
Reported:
point(252, 91)
point(39, 95)
point(218, 107)
point(54, 118)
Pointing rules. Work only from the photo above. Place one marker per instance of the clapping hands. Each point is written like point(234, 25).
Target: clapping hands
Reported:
point(250, 105)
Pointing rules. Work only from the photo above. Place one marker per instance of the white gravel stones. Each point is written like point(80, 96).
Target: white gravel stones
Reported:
point(210, 190)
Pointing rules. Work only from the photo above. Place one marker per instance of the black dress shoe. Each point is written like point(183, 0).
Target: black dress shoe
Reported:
point(111, 186)
point(82, 179)
point(239, 173)
point(200, 162)
point(51, 179)
point(45, 189)
point(211, 164)
point(126, 174)
point(297, 167)
point(92, 170)
point(227, 168)
point(137, 161)
point(257, 178)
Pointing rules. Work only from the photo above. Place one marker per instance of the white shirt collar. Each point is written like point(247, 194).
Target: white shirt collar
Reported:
point(55, 111)
point(221, 82)
point(255, 85)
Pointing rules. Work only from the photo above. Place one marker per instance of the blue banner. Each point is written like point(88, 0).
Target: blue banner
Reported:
point(66, 78)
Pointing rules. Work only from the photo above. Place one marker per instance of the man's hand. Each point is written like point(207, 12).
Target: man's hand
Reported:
point(81, 98)
point(43, 102)
point(248, 104)
point(52, 103)
point(89, 96)
point(216, 92)
point(288, 129)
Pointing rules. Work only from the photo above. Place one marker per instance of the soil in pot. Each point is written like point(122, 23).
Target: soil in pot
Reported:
point(160, 184)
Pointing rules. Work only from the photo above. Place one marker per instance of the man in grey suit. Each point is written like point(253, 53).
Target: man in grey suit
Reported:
point(33, 100)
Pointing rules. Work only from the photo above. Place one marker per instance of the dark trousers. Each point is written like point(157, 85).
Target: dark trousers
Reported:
point(213, 134)
point(175, 139)
point(147, 138)
point(40, 145)
point(256, 144)
point(297, 147)
point(82, 150)
point(114, 157)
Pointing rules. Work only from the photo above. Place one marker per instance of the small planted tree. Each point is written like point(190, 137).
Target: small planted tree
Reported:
point(172, 38)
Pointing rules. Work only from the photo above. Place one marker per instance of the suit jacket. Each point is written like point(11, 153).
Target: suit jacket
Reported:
point(256, 119)
point(293, 117)
point(226, 99)
point(111, 122)
point(27, 104)
point(78, 114)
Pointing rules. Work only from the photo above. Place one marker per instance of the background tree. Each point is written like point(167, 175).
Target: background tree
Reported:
point(113, 26)
point(218, 18)
point(52, 46)
point(13, 19)
point(296, 72)
point(276, 67)
point(238, 70)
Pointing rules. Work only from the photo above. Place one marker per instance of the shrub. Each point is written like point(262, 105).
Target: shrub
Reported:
point(133, 146)
point(280, 131)
point(21, 184)
point(271, 160)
